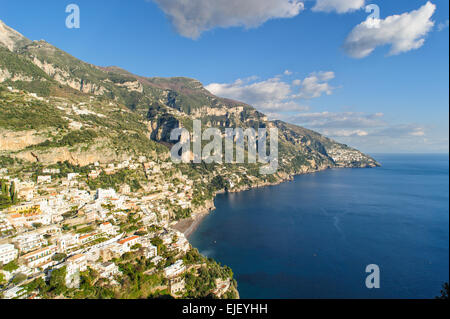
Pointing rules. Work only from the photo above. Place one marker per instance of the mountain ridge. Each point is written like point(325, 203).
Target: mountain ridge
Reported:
point(156, 106)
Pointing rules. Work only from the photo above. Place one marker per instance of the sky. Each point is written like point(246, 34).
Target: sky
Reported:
point(376, 80)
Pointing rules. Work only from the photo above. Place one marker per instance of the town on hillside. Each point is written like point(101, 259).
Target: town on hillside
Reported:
point(64, 236)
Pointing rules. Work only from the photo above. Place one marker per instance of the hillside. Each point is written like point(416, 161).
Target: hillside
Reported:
point(57, 108)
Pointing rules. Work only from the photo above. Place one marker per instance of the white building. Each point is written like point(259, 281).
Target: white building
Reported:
point(75, 265)
point(44, 179)
point(51, 171)
point(108, 270)
point(177, 286)
point(67, 241)
point(72, 176)
point(127, 243)
point(15, 292)
point(103, 194)
point(39, 257)
point(175, 270)
point(109, 229)
point(29, 242)
point(151, 252)
point(8, 253)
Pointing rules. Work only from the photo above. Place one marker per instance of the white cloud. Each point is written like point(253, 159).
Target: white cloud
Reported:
point(340, 6)
point(192, 17)
point(345, 133)
point(316, 85)
point(334, 122)
point(404, 33)
point(443, 25)
point(355, 124)
point(274, 94)
point(269, 95)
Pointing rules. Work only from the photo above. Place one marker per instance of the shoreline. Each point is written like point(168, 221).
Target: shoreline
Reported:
point(190, 225)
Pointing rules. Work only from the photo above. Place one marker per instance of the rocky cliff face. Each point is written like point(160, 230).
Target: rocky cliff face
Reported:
point(89, 104)
point(10, 38)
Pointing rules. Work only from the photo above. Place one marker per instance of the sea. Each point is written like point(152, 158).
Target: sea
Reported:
point(314, 237)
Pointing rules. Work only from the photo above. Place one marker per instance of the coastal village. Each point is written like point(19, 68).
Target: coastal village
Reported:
point(57, 235)
point(91, 206)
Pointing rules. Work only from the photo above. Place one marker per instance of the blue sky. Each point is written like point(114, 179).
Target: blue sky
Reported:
point(302, 61)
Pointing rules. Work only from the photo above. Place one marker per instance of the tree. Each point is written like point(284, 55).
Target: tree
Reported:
point(10, 267)
point(57, 282)
point(444, 292)
point(13, 193)
point(59, 257)
point(19, 278)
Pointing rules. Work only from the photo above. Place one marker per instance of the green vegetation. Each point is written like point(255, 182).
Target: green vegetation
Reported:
point(10, 267)
point(59, 257)
point(18, 113)
point(8, 194)
point(83, 136)
point(124, 176)
point(18, 65)
point(2, 279)
point(181, 213)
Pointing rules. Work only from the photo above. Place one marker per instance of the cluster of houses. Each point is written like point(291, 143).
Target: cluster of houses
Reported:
point(60, 217)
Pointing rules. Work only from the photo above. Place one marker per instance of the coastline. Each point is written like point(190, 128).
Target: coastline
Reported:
point(190, 225)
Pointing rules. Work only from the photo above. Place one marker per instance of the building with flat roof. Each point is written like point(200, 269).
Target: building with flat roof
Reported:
point(8, 253)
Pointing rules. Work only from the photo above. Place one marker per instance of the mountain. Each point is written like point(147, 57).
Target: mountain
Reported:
point(11, 39)
point(57, 108)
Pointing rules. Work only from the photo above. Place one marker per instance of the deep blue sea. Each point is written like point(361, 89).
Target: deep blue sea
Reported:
point(313, 237)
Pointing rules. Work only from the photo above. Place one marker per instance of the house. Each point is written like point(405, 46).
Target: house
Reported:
point(26, 193)
point(75, 265)
point(125, 189)
point(156, 260)
point(150, 252)
point(94, 174)
point(78, 262)
point(108, 229)
point(103, 194)
point(72, 176)
point(29, 242)
point(177, 286)
point(15, 292)
point(29, 219)
point(128, 242)
point(108, 270)
point(5, 225)
point(88, 238)
point(39, 257)
point(51, 171)
point(67, 241)
point(182, 244)
point(8, 253)
point(44, 179)
point(175, 270)
point(222, 287)
point(24, 208)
